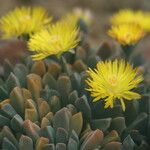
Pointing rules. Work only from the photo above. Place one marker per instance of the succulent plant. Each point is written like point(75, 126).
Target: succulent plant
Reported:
point(44, 107)
point(44, 104)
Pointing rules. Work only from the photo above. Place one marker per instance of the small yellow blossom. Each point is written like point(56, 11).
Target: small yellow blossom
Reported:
point(24, 20)
point(54, 40)
point(126, 34)
point(112, 80)
point(128, 16)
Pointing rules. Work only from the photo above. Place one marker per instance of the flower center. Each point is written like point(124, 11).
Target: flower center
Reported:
point(25, 18)
point(112, 80)
point(54, 38)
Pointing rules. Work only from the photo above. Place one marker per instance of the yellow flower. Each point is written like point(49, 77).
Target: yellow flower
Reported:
point(127, 16)
point(126, 34)
point(113, 80)
point(54, 40)
point(24, 20)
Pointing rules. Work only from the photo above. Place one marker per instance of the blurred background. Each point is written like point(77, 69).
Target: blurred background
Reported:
point(101, 10)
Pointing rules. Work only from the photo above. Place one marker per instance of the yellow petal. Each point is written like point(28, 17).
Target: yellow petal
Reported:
point(131, 95)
